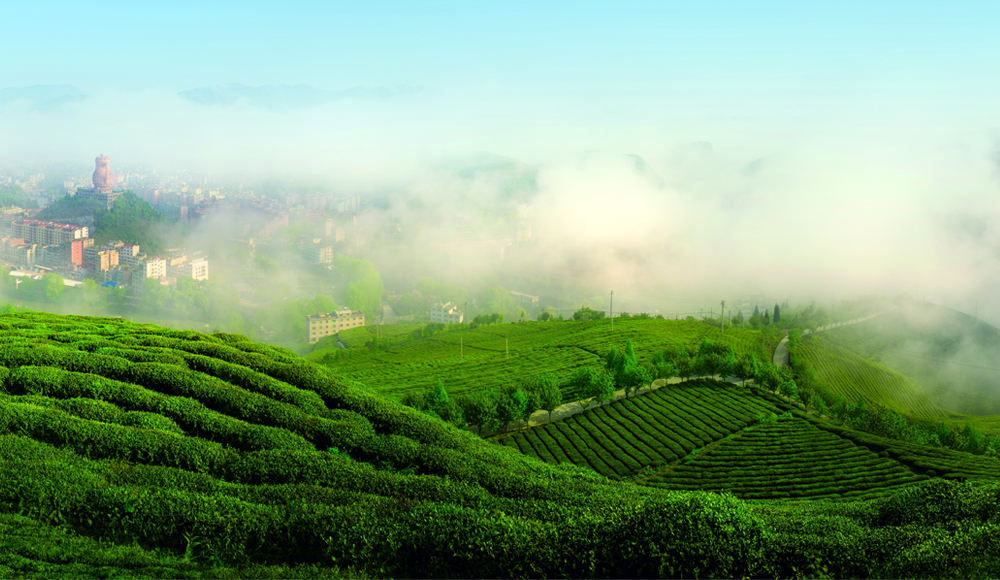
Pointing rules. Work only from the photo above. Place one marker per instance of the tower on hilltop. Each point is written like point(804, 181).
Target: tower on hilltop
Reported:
point(104, 180)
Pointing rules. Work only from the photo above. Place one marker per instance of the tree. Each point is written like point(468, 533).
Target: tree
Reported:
point(53, 287)
point(90, 293)
point(747, 367)
point(544, 317)
point(480, 409)
point(427, 286)
point(587, 313)
point(550, 397)
point(437, 398)
point(510, 407)
point(635, 377)
point(777, 314)
point(767, 317)
point(662, 367)
point(592, 384)
point(789, 389)
point(625, 370)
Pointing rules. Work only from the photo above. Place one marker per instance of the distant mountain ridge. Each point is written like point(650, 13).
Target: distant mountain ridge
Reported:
point(42, 97)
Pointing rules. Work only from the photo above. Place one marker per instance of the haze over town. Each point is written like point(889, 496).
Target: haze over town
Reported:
point(677, 155)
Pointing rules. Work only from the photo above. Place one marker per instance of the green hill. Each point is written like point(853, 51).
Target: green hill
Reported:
point(493, 356)
point(853, 377)
point(950, 356)
point(133, 451)
point(621, 439)
point(131, 220)
point(711, 435)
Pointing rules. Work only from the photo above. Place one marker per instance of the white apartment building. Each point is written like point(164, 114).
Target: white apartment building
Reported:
point(197, 269)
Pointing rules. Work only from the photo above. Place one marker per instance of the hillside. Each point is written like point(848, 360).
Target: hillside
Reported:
point(950, 356)
point(493, 356)
point(852, 377)
point(131, 220)
point(714, 436)
point(137, 451)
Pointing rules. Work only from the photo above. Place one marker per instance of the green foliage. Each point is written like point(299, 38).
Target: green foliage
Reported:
point(71, 207)
point(587, 313)
point(135, 451)
point(593, 384)
point(362, 284)
point(13, 194)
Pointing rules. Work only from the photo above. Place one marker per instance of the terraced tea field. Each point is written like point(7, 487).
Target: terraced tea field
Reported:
point(707, 435)
point(936, 461)
point(947, 354)
point(492, 356)
point(852, 377)
point(788, 458)
point(620, 439)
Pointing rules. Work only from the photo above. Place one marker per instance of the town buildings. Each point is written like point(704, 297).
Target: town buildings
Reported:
point(44, 232)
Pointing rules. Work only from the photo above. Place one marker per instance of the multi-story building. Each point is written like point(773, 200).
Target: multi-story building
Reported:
point(154, 268)
point(106, 259)
point(524, 300)
point(43, 232)
point(316, 252)
point(16, 250)
point(76, 252)
point(197, 268)
point(326, 323)
point(446, 313)
point(123, 275)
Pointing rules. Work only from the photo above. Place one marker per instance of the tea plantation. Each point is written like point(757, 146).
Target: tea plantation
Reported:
point(133, 451)
point(488, 356)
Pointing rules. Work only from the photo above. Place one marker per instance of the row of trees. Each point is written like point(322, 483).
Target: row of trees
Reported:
point(490, 410)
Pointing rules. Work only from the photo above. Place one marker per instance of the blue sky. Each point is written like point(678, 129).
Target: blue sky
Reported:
point(727, 58)
point(533, 80)
point(860, 130)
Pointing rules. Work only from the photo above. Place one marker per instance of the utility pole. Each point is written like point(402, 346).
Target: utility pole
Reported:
point(612, 311)
point(723, 317)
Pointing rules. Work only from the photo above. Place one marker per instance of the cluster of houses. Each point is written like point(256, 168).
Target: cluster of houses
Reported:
point(68, 249)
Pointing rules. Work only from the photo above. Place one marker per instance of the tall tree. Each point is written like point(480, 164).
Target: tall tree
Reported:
point(777, 314)
point(480, 409)
point(548, 391)
point(747, 367)
point(437, 398)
